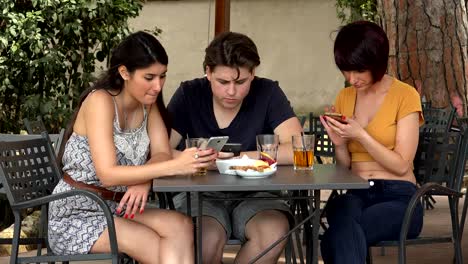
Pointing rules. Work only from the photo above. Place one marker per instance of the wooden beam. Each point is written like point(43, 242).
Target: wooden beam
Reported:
point(222, 16)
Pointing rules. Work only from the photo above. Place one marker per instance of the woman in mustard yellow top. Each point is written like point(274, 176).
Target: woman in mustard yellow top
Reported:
point(378, 142)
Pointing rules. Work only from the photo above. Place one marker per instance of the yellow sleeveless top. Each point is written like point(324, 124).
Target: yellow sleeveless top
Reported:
point(400, 100)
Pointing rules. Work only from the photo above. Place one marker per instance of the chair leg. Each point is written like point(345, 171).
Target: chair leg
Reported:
point(382, 251)
point(299, 248)
point(288, 251)
point(16, 237)
point(453, 204)
point(463, 214)
point(402, 254)
point(369, 256)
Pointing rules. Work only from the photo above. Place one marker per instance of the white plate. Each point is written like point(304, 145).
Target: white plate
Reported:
point(251, 174)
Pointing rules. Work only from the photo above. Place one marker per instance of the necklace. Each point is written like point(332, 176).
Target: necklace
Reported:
point(128, 119)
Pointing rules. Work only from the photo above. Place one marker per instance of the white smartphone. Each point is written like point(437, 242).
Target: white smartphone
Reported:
point(217, 143)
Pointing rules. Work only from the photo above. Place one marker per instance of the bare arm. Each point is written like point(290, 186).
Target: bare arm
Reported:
point(174, 142)
point(341, 144)
point(98, 114)
point(285, 131)
point(399, 160)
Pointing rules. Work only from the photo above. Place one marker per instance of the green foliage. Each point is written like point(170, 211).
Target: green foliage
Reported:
point(352, 10)
point(49, 50)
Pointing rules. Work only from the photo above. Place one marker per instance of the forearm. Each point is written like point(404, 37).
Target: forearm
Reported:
point(176, 153)
point(119, 175)
point(342, 156)
point(389, 159)
point(159, 157)
point(285, 154)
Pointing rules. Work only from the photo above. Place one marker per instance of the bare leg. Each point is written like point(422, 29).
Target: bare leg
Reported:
point(261, 231)
point(156, 236)
point(136, 240)
point(213, 240)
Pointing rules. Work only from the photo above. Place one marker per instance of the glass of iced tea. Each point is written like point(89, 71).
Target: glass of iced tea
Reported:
point(200, 143)
point(303, 149)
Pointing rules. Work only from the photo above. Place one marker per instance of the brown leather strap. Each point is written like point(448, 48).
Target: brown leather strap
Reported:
point(103, 192)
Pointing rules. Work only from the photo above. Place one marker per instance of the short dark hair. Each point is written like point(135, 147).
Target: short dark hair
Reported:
point(233, 50)
point(362, 45)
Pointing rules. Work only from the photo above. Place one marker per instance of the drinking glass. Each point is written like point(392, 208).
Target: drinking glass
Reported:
point(303, 151)
point(199, 143)
point(267, 147)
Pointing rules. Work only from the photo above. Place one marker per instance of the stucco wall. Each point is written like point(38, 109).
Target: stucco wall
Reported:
point(294, 38)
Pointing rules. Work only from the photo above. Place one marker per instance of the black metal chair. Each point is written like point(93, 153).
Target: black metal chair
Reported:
point(437, 119)
point(439, 167)
point(38, 126)
point(29, 173)
point(323, 145)
point(462, 126)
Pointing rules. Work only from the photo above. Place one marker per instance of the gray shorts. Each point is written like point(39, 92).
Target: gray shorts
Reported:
point(233, 215)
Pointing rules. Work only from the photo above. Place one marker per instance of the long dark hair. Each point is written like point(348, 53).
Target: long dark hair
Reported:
point(138, 50)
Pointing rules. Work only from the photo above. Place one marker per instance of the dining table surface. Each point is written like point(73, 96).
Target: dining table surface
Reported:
point(322, 177)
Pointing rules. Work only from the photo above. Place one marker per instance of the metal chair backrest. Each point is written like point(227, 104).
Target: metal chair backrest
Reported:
point(323, 145)
point(437, 158)
point(28, 169)
point(29, 173)
point(437, 119)
point(37, 127)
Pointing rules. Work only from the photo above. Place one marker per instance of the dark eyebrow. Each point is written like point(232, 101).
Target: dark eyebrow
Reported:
point(242, 80)
point(152, 74)
point(222, 80)
point(236, 80)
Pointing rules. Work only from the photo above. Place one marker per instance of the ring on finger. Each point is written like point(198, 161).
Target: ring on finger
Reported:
point(196, 156)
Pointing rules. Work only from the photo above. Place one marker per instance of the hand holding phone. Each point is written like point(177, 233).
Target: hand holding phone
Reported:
point(337, 116)
point(232, 147)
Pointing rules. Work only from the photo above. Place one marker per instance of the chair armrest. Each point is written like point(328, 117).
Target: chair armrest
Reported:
point(426, 188)
point(93, 196)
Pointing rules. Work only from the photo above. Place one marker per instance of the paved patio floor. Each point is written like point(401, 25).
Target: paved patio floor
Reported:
point(437, 221)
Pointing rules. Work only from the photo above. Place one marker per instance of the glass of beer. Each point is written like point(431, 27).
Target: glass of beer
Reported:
point(201, 144)
point(303, 149)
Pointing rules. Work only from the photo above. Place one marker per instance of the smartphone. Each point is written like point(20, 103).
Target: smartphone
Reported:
point(337, 116)
point(232, 147)
point(217, 143)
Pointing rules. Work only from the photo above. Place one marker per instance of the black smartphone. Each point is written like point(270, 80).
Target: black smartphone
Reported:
point(232, 147)
point(337, 116)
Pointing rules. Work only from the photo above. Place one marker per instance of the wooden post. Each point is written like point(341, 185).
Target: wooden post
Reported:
point(222, 16)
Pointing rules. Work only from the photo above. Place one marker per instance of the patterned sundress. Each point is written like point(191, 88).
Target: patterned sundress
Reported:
point(75, 223)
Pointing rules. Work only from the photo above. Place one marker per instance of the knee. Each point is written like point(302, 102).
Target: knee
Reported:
point(268, 227)
point(183, 227)
point(214, 239)
point(213, 233)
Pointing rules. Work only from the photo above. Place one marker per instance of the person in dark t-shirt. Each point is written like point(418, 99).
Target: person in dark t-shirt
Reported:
point(231, 101)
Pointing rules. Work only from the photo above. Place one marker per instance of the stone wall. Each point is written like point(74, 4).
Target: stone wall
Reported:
point(294, 38)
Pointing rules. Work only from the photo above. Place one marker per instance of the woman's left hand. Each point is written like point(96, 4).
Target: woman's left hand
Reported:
point(134, 198)
point(349, 130)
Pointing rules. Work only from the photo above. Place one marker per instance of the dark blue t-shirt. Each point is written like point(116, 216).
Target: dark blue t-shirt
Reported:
point(263, 109)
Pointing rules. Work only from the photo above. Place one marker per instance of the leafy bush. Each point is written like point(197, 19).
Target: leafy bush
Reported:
point(352, 10)
point(49, 50)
